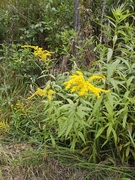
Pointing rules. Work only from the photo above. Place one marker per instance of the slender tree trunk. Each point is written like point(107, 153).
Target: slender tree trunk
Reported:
point(104, 38)
point(77, 24)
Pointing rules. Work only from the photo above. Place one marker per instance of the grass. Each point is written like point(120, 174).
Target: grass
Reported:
point(25, 161)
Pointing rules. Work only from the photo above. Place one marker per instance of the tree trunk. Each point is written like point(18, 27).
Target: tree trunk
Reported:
point(77, 24)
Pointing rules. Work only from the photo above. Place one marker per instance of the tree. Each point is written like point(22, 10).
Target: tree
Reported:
point(77, 23)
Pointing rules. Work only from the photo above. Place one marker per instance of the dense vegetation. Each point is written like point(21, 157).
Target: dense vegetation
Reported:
point(67, 84)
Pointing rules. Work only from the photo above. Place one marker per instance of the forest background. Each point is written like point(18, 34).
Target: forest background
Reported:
point(67, 89)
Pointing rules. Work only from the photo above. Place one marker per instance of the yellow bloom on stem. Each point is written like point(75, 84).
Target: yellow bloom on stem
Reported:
point(43, 54)
point(78, 84)
point(42, 92)
point(50, 92)
point(20, 108)
point(4, 126)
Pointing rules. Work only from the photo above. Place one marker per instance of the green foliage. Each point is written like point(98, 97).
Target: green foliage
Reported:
point(117, 62)
point(35, 22)
point(12, 87)
point(103, 128)
point(68, 36)
point(25, 64)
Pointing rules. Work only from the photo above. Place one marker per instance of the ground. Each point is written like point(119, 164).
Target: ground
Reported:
point(24, 161)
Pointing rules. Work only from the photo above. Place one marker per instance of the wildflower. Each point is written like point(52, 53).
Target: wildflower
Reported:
point(50, 92)
point(78, 84)
point(4, 126)
point(43, 54)
point(20, 105)
point(41, 92)
point(21, 108)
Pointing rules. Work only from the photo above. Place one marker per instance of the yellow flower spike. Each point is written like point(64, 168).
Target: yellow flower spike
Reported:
point(96, 77)
point(50, 92)
point(42, 92)
point(4, 126)
point(96, 90)
point(43, 54)
point(78, 84)
point(79, 73)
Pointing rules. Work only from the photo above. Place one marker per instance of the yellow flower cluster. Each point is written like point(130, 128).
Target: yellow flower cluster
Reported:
point(3, 127)
point(78, 84)
point(42, 92)
point(20, 105)
point(43, 54)
point(21, 108)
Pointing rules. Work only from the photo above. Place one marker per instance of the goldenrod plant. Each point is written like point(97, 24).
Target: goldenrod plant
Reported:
point(39, 52)
point(78, 84)
point(43, 92)
point(4, 127)
point(116, 60)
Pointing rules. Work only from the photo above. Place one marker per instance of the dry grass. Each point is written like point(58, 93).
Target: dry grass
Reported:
point(22, 161)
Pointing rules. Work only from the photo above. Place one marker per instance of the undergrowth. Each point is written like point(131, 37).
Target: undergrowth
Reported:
point(84, 117)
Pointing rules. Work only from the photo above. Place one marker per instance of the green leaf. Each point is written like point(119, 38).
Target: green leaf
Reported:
point(53, 141)
point(65, 107)
point(114, 136)
point(111, 68)
point(111, 97)
point(71, 113)
point(129, 81)
point(109, 108)
point(61, 132)
point(61, 95)
point(125, 62)
point(82, 112)
point(124, 17)
point(72, 144)
point(127, 151)
point(121, 32)
point(130, 135)
point(70, 101)
point(86, 124)
point(109, 54)
point(125, 113)
point(85, 102)
point(81, 136)
point(62, 122)
point(100, 131)
point(97, 106)
point(115, 83)
point(127, 144)
point(69, 127)
point(109, 130)
point(115, 39)
point(85, 107)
